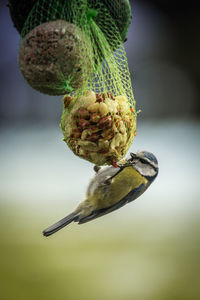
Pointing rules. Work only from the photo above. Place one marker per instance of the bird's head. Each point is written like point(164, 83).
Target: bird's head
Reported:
point(145, 163)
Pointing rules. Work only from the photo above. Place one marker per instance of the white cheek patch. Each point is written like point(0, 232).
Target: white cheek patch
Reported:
point(148, 157)
point(144, 169)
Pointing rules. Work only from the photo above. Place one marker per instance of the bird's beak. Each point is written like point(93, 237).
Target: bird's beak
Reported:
point(133, 156)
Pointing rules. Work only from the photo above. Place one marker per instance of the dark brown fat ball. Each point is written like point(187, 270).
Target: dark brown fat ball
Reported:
point(55, 58)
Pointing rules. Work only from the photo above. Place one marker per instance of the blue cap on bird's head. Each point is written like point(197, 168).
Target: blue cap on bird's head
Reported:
point(144, 156)
point(145, 163)
point(148, 157)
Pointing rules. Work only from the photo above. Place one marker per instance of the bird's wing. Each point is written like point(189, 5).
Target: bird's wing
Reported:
point(98, 213)
point(102, 178)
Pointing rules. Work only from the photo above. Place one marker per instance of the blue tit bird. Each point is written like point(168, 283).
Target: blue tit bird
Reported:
point(112, 188)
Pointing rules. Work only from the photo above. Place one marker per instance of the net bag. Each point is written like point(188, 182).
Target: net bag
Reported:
point(99, 120)
point(20, 9)
point(99, 117)
point(55, 52)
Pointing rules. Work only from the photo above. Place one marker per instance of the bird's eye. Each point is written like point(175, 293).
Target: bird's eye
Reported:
point(143, 161)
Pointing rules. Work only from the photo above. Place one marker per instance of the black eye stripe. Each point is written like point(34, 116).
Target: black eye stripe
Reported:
point(144, 161)
point(148, 162)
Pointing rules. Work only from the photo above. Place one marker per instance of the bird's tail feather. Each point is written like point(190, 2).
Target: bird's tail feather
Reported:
point(60, 224)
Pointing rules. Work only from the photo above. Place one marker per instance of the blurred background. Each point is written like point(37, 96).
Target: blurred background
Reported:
point(147, 250)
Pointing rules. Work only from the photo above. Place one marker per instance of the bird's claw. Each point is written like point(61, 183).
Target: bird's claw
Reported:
point(96, 168)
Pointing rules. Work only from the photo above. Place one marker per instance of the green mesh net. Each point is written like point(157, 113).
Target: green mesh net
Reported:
point(76, 48)
point(47, 41)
